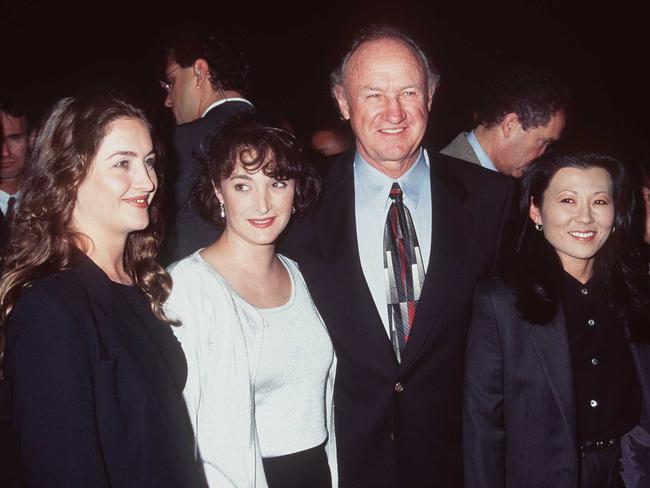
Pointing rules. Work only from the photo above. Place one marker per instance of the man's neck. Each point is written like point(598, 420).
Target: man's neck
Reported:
point(217, 97)
point(487, 139)
point(10, 186)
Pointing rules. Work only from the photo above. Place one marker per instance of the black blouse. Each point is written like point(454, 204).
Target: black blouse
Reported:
point(608, 398)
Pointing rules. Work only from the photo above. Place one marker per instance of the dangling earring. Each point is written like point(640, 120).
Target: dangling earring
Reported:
point(613, 228)
point(222, 210)
point(539, 227)
point(293, 210)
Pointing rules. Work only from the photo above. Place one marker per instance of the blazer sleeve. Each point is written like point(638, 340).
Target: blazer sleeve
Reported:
point(50, 372)
point(483, 426)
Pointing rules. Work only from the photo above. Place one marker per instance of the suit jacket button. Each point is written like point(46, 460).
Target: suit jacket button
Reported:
point(399, 388)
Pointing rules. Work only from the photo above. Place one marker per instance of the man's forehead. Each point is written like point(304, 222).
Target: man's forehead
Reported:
point(385, 54)
point(11, 124)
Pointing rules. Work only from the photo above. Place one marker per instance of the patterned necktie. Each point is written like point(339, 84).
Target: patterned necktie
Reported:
point(404, 271)
point(11, 203)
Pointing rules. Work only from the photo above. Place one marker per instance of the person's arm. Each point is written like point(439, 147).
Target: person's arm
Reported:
point(218, 391)
point(484, 439)
point(49, 370)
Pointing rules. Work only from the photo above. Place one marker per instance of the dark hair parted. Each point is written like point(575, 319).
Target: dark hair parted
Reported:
point(536, 269)
point(42, 241)
point(227, 65)
point(533, 94)
point(381, 32)
point(248, 140)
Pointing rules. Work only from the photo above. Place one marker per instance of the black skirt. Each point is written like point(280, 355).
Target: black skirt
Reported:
point(304, 469)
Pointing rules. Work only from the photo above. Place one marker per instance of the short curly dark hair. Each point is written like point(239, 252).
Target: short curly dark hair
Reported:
point(532, 93)
point(276, 152)
point(227, 64)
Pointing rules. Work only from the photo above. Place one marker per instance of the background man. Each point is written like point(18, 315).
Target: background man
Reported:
point(392, 270)
point(14, 137)
point(205, 80)
point(522, 113)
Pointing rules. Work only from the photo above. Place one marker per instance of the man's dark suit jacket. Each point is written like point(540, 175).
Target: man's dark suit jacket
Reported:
point(521, 372)
point(4, 232)
point(399, 425)
point(92, 398)
point(186, 230)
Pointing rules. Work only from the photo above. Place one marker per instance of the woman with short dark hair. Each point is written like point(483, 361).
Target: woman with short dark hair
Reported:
point(261, 363)
point(95, 374)
point(557, 379)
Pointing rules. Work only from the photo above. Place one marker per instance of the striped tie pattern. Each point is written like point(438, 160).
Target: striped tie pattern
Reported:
point(403, 271)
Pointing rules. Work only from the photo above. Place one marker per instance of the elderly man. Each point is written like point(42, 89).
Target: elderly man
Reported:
point(523, 112)
point(391, 258)
point(205, 80)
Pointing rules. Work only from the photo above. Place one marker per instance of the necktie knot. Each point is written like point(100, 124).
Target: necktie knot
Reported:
point(395, 192)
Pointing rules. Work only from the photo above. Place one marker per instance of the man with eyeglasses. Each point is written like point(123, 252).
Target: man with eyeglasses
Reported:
point(522, 113)
point(205, 81)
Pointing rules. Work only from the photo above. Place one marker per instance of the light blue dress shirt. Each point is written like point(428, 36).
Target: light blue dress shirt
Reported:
point(483, 158)
point(371, 203)
point(4, 201)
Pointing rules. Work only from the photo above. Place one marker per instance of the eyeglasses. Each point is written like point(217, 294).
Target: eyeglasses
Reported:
point(168, 85)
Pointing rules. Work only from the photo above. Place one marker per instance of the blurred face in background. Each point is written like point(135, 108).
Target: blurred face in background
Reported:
point(15, 140)
point(182, 93)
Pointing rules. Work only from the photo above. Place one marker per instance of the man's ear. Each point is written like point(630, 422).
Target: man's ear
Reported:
point(201, 72)
point(431, 92)
point(510, 125)
point(341, 99)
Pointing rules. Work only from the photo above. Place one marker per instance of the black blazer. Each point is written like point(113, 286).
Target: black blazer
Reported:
point(186, 230)
point(399, 425)
point(92, 398)
point(519, 426)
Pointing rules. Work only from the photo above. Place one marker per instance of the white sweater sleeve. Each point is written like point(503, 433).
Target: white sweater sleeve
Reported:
point(218, 390)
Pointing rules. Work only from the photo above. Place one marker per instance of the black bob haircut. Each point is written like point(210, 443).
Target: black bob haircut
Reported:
point(266, 148)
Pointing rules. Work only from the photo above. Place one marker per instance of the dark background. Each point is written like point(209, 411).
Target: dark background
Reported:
point(51, 49)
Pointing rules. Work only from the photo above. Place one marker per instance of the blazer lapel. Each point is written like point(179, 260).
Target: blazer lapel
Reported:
point(451, 229)
point(334, 226)
point(113, 310)
point(551, 345)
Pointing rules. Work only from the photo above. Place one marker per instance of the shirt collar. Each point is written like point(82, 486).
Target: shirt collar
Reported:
point(377, 184)
point(4, 199)
point(224, 100)
point(483, 158)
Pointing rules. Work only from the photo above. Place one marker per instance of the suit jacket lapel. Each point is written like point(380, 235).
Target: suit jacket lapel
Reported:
point(336, 232)
point(551, 344)
point(451, 229)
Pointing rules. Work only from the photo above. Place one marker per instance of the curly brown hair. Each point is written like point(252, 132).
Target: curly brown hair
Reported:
point(274, 151)
point(42, 241)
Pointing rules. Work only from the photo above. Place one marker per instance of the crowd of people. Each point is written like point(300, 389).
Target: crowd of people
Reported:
point(390, 316)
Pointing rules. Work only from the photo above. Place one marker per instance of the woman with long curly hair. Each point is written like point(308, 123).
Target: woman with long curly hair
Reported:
point(557, 378)
point(95, 374)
